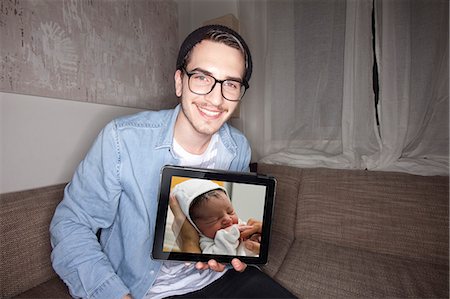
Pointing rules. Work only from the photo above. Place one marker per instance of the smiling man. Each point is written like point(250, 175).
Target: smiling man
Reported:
point(204, 106)
point(114, 190)
point(211, 78)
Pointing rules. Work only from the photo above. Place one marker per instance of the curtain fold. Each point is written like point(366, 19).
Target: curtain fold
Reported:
point(359, 133)
point(412, 51)
point(311, 101)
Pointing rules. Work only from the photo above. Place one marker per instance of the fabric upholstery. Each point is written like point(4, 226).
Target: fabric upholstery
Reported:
point(335, 234)
point(53, 288)
point(25, 242)
point(385, 212)
point(282, 231)
point(315, 269)
point(359, 234)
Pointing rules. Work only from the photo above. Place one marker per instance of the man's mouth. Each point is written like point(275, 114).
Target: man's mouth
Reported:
point(209, 113)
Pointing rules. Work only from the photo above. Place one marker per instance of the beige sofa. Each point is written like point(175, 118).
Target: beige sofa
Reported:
point(336, 234)
point(359, 234)
point(25, 244)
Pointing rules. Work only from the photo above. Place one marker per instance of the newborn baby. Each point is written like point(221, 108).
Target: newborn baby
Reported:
point(208, 208)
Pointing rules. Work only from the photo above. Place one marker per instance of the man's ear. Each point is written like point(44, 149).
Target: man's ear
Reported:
point(178, 83)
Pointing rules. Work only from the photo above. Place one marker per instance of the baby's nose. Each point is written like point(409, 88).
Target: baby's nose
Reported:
point(226, 221)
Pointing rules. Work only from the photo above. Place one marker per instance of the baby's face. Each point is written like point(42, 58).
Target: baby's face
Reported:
point(216, 213)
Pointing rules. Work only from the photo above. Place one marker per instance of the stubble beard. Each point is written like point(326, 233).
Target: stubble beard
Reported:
point(201, 127)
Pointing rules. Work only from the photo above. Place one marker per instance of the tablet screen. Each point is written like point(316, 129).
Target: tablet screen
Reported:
point(230, 211)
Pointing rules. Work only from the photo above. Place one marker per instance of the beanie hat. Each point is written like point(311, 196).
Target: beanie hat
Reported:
point(187, 191)
point(200, 34)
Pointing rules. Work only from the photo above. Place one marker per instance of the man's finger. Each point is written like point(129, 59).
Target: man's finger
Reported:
point(201, 266)
point(214, 265)
point(238, 265)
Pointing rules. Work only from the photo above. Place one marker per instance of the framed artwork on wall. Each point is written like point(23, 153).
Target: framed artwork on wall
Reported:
point(109, 52)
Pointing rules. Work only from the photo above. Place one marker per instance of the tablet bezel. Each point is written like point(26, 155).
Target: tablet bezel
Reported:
point(169, 171)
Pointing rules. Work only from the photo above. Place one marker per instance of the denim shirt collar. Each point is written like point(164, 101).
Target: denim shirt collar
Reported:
point(165, 139)
point(168, 125)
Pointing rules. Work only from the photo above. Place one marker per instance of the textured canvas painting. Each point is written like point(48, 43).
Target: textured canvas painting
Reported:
point(119, 52)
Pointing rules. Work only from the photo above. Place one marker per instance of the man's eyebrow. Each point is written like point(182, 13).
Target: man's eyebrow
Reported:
point(198, 69)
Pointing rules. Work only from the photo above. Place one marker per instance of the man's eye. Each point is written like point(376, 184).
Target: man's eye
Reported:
point(232, 84)
point(201, 77)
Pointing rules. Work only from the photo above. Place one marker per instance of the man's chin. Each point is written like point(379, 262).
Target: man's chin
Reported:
point(209, 128)
point(207, 131)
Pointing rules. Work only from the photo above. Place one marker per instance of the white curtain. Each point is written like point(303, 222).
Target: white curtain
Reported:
point(311, 101)
point(412, 46)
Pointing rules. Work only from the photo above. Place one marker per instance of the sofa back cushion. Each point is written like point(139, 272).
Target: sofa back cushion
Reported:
point(385, 212)
point(25, 242)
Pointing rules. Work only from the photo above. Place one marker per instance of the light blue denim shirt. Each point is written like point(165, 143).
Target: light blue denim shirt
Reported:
point(115, 189)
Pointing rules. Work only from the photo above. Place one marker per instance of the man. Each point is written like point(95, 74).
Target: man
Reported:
point(114, 190)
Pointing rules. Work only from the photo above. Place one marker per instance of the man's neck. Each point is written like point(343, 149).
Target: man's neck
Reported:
point(189, 139)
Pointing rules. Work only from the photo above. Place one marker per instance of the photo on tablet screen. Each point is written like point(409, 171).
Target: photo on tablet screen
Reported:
point(225, 208)
point(219, 211)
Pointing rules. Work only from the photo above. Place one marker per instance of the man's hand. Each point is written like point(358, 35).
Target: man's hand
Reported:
point(218, 267)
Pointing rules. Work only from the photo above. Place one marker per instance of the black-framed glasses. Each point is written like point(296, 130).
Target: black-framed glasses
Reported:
point(202, 84)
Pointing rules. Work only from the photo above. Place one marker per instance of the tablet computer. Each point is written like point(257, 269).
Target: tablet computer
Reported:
point(223, 207)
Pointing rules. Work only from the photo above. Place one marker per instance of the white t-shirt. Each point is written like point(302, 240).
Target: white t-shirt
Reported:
point(205, 160)
point(176, 278)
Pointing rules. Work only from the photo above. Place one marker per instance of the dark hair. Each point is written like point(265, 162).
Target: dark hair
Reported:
point(218, 33)
point(202, 198)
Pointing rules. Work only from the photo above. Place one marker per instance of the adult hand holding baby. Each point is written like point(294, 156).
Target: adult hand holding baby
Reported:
point(252, 235)
point(187, 237)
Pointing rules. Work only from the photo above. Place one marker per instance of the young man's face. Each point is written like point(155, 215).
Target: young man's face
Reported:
point(216, 213)
point(205, 114)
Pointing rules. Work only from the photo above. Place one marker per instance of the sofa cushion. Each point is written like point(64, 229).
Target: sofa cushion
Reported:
point(384, 212)
point(54, 288)
point(25, 241)
point(282, 233)
point(315, 269)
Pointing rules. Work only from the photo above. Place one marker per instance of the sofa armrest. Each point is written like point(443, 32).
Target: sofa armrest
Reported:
point(25, 242)
point(285, 210)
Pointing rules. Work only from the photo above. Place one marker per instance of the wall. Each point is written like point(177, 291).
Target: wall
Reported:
point(43, 139)
point(109, 52)
point(192, 13)
point(248, 201)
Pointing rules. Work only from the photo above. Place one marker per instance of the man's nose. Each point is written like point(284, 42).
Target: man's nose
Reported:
point(215, 96)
